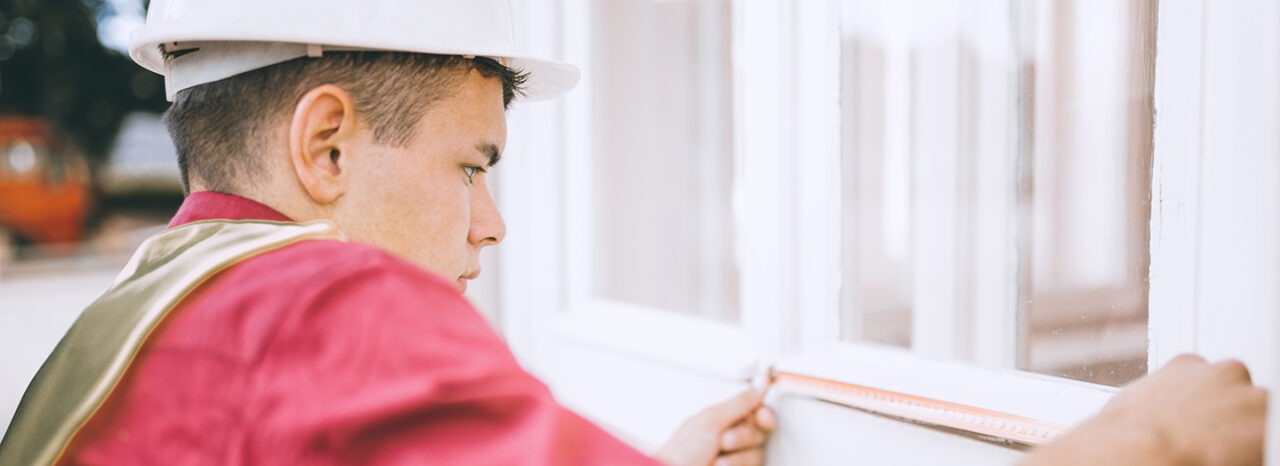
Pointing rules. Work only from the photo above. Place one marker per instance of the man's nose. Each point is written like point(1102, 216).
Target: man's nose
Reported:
point(487, 226)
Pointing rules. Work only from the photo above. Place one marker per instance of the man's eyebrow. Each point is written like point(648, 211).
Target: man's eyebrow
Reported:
point(491, 150)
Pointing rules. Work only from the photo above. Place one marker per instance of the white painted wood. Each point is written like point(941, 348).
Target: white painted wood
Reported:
point(529, 176)
point(714, 348)
point(820, 434)
point(578, 240)
point(642, 404)
point(1238, 302)
point(1216, 217)
point(1175, 187)
point(786, 134)
point(763, 205)
point(816, 317)
point(936, 135)
point(604, 358)
point(1039, 397)
point(931, 68)
point(991, 74)
point(717, 349)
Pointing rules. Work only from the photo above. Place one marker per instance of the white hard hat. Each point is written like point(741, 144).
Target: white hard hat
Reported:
point(223, 38)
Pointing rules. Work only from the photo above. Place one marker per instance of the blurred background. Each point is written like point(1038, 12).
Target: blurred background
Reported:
point(83, 156)
point(86, 168)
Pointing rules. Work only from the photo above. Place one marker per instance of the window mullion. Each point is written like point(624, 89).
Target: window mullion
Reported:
point(1175, 182)
point(817, 178)
point(577, 155)
point(760, 203)
point(931, 102)
point(991, 143)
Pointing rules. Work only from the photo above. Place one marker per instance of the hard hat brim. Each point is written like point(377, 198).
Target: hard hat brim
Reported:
point(546, 78)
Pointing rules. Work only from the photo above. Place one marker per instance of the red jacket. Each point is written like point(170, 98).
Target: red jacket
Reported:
point(330, 353)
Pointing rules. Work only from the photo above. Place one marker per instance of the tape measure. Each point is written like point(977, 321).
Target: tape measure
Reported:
point(1002, 426)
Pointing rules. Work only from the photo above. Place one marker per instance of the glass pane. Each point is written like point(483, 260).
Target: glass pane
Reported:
point(996, 166)
point(662, 162)
point(1086, 248)
point(876, 297)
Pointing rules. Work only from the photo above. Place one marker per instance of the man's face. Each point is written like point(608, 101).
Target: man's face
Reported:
point(429, 202)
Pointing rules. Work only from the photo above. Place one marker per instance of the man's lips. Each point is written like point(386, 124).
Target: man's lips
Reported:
point(462, 280)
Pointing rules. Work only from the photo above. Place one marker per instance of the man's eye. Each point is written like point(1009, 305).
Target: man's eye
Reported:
point(471, 171)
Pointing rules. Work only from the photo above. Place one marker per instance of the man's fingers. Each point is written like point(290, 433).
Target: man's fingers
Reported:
point(742, 436)
point(766, 419)
point(1259, 398)
point(731, 411)
point(1191, 359)
point(1233, 369)
point(753, 457)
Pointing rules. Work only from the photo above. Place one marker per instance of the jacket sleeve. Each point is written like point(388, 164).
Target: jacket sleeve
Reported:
point(390, 365)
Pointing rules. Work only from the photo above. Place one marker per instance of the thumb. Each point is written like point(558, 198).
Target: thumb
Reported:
point(729, 412)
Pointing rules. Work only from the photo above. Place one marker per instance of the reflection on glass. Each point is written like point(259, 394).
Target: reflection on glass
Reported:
point(1086, 238)
point(662, 161)
point(996, 177)
point(876, 296)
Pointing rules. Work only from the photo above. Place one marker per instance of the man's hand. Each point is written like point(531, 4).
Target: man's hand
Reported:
point(1189, 412)
point(731, 433)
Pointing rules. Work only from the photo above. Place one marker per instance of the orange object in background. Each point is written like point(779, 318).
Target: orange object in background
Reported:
point(44, 184)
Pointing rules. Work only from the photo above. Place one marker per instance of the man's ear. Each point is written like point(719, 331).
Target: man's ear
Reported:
point(322, 128)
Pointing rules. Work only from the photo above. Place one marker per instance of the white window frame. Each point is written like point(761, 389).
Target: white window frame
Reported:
point(715, 348)
point(920, 372)
point(602, 355)
point(789, 280)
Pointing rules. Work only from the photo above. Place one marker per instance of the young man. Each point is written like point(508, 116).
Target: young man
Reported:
point(240, 336)
point(305, 306)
